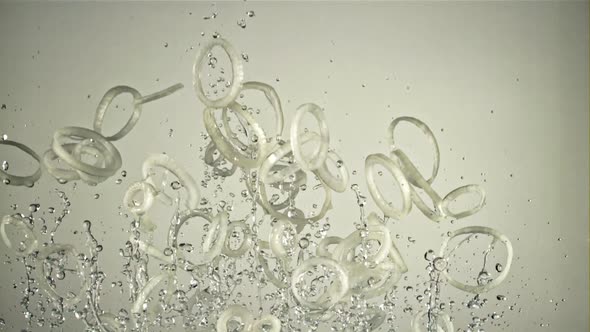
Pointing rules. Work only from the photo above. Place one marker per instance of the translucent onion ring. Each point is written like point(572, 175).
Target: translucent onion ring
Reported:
point(424, 128)
point(380, 159)
point(447, 324)
point(359, 276)
point(413, 176)
point(273, 211)
point(273, 98)
point(337, 184)
point(246, 242)
point(187, 181)
point(147, 290)
point(276, 237)
point(348, 245)
point(225, 147)
point(264, 263)
point(319, 158)
point(268, 172)
point(237, 72)
point(300, 179)
point(18, 221)
point(265, 320)
point(15, 180)
point(335, 295)
point(497, 237)
point(322, 249)
point(138, 100)
point(112, 157)
point(209, 160)
point(149, 192)
point(211, 249)
point(43, 283)
point(76, 149)
point(444, 204)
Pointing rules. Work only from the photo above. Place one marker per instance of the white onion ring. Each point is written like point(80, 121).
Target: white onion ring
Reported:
point(444, 204)
point(265, 320)
point(446, 327)
point(147, 290)
point(413, 176)
point(337, 184)
point(318, 158)
point(234, 312)
point(497, 237)
point(374, 232)
point(43, 283)
point(112, 157)
point(15, 180)
point(138, 100)
point(404, 186)
point(215, 162)
point(273, 98)
point(322, 249)
point(225, 147)
point(154, 252)
point(237, 72)
point(212, 249)
point(18, 221)
point(187, 181)
point(336, 295)
point(246, 242)
point(149, 192)
point(424, 128)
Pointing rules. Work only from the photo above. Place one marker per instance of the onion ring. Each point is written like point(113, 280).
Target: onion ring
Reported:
point(319, 158)
point(341, 274)
point(337, 184)
point(187, 181)
point(277, 235)
point(444, 204)
point(246, 242)
point(234, 312)
point(15, 180)
point(237, 72)
point(424, 128)
point(211, 249)
point(381, 159)
point(149, 193)
point(273, 98)
point(497, 237)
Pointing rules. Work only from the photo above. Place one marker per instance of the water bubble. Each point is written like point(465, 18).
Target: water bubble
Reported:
point(250, 13)
point(242, 23)
point(501, 298)
point(96, 196)
point(175, 185)
point(499, 267)
point(303, 243)
point(245, 57)
point(5, 165)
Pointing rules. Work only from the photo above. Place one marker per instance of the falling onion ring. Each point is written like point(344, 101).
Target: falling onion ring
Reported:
point(15, 180)
point(319, 156)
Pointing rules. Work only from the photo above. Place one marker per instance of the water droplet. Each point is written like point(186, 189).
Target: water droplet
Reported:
point(166, 44)
point(499, 267)
point(5, 165)
point(250, 13)
point(175, 185)
point(242, 23)
point(4, 137)
point(303, 243)
point(96, 196)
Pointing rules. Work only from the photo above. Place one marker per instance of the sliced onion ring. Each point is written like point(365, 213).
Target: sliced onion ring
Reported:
point(497, 237)
point(147, 290)
point(225, 147)
point(148, 192)
point(14, 180)
point(404, 186)
point(338, 184)
point(213, 246)
point(187, 181)
point(335, 296)
point(319, 157)
point(18, 221)
point(237, 72)
point(273, 98)
point(424, 128)
point(112, 157)
point(472, 188)
point(413, 176)
point(276, 237)
point(322, 249)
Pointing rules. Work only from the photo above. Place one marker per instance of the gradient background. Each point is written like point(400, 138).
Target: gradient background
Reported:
point(504, 86)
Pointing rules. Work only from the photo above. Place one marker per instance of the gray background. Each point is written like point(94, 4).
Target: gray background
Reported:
point(504, 86)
